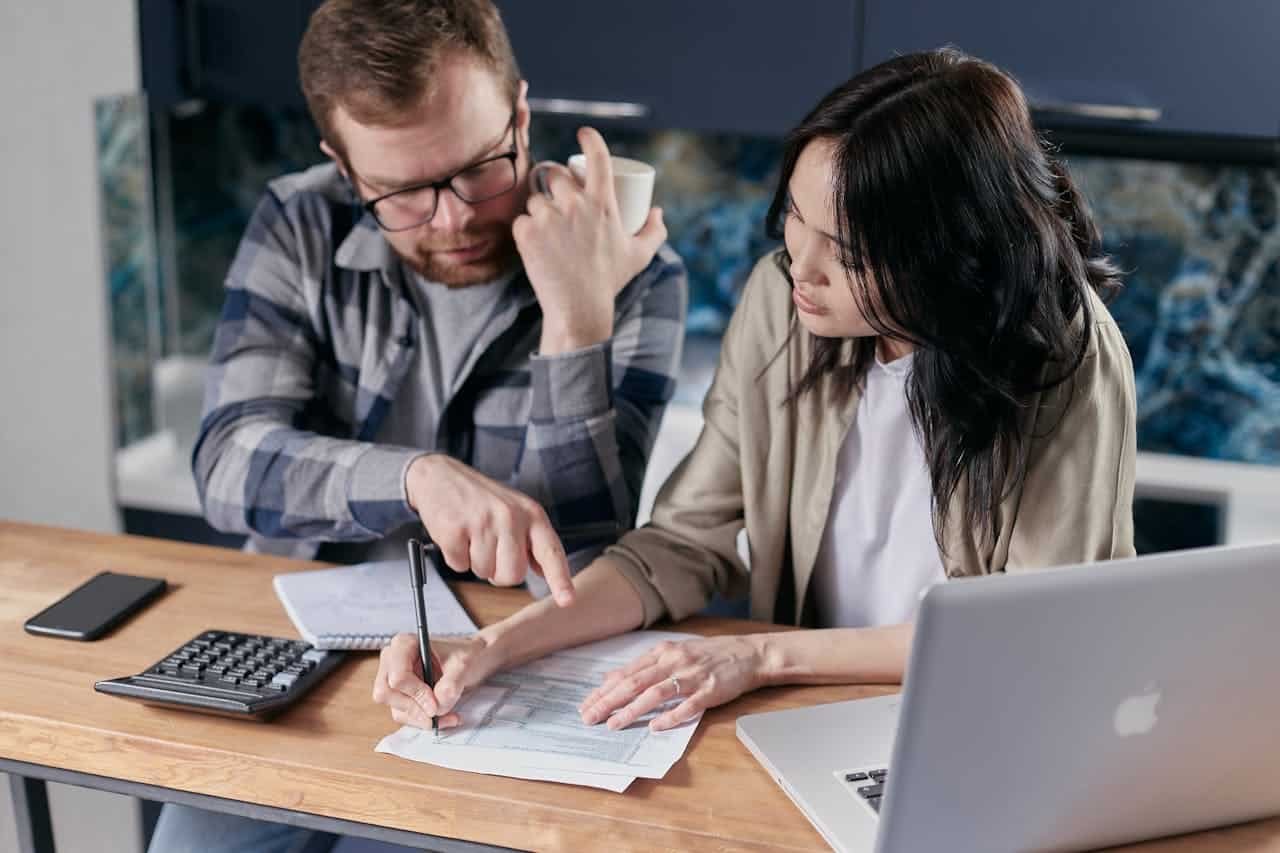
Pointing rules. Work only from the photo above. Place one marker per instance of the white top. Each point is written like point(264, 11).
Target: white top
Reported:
point(878, 553)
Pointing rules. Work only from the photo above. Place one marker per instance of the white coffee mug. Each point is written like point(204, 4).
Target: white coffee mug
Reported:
point(632, 187)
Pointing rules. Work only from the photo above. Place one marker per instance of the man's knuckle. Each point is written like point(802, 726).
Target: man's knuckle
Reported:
point(503, 514)
point(538, 513)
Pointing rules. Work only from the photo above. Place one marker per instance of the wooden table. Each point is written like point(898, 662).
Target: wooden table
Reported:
point(315, 764)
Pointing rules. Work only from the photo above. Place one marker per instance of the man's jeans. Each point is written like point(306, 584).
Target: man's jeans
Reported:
point(185, 829)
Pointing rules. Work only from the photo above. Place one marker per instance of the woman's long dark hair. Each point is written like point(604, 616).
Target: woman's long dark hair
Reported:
point(966, 238)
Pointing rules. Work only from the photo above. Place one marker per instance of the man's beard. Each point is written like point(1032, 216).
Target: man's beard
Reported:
point(501, 256)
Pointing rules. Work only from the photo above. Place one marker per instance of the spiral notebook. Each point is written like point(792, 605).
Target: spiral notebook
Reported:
point(365, 605)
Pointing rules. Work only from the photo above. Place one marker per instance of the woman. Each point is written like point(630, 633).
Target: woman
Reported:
point(923, 385)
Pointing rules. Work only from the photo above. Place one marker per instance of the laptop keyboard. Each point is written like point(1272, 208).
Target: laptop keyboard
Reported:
point(867, 785)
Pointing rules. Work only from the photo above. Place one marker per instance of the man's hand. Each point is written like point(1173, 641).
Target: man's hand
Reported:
point(479, 524)
point(576, 253)
point(461, 664)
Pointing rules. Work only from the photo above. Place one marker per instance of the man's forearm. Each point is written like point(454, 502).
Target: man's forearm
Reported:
point(560, 341)
point(837, 655)
point(573, 463)
point(605, 604)
point(314, 487)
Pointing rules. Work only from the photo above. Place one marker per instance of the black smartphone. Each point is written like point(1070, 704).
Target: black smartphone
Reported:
point(96, 606)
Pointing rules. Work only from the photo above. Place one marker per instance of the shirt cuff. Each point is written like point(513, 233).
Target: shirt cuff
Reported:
point(572, 385)
point(376, 494)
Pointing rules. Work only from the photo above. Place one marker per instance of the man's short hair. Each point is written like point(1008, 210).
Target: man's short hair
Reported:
point(377, 58)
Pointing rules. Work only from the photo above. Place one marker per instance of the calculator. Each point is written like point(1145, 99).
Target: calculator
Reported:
point(232, 674)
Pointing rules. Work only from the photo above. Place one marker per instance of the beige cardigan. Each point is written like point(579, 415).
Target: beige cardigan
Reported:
point(771, 468)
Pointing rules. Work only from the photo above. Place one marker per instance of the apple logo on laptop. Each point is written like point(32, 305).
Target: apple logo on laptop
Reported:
point(1136, 715)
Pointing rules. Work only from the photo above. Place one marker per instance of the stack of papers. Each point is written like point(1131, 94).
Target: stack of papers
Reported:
point(524, 723)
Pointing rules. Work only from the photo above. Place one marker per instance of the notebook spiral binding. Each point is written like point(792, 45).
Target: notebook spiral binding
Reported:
point(364, 642)
point(354, 642)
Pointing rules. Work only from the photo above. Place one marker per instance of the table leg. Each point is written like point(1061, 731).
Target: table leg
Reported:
point(30, 801)
point(149, 810)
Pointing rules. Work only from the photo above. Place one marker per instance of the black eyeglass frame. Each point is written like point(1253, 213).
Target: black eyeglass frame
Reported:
point(510, 155)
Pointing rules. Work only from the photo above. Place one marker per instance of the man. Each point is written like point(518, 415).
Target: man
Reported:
point(410, 340)
point(378, 368)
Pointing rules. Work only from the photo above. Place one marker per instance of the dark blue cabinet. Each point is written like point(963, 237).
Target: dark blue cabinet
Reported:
point(747, 66)
point(755, 66)
point(232, 51)
point(1189, 66)
point(235, 55)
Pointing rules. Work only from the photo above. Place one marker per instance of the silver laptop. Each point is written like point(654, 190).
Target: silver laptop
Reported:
point(1057, 710)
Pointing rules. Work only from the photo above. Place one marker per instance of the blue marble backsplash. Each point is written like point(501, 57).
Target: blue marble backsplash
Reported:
point(1201, 305)
point(1200, 246)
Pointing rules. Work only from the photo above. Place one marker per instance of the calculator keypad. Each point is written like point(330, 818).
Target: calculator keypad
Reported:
point(232, 673)
point(239, 660)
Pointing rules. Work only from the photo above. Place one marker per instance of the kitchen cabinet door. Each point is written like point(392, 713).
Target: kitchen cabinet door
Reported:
point(1173, 65)
point(747, 66)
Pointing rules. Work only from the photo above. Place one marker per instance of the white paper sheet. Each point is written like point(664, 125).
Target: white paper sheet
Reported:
point(409, 742)
point(524, 723)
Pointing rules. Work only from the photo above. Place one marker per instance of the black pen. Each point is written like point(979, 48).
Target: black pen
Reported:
point(416, 551)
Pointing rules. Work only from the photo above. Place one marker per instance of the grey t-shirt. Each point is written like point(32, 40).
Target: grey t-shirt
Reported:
point(452, 320)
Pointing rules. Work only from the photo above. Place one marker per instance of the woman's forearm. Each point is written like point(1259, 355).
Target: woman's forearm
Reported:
point(836, 655)
point(604, 604)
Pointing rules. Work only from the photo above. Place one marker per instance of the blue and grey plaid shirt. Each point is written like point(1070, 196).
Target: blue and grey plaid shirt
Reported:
point(315, 339)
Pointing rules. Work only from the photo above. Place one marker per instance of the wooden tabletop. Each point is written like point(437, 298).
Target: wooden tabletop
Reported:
point(318, 757)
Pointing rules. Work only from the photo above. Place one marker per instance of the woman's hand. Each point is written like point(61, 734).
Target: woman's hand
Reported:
point(709, 671)
point(460, 664)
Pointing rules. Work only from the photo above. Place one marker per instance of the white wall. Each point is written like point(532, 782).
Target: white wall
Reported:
point(56, 444)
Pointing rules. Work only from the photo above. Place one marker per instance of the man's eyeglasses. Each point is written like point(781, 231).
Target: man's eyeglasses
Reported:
point(415, 205)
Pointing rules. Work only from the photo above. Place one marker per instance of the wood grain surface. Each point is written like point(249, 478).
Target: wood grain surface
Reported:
point(318, 757)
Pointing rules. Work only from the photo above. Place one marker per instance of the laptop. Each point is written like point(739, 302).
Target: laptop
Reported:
point(1065, 709)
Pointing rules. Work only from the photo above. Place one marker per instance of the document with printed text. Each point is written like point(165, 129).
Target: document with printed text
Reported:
point(524, 723)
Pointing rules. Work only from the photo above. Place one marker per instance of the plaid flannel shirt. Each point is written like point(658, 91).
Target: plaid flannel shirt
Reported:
point(317, 335)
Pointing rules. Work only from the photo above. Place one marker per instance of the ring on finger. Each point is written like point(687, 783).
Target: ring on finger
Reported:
point(675, 683)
